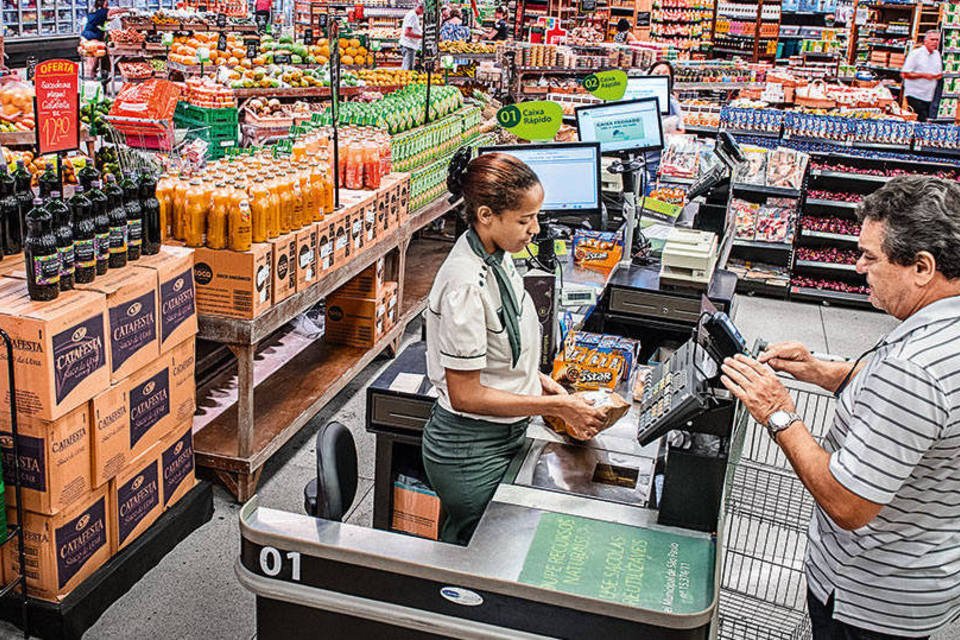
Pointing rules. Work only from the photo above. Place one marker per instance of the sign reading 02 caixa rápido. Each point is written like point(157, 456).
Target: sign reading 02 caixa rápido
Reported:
point(539, 120)
point(607, 85)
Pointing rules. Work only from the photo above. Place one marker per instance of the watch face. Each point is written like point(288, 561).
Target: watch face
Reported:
point(780, 419)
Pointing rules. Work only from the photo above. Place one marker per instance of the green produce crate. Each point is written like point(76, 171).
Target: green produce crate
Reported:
point(220, 130)
point(206, 116)
point(217, 144)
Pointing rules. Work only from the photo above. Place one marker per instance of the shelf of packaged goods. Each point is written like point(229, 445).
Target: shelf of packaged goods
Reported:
point(826, 235)
point(824, 295)
point(879, 146)
point(826, 266)
point(781, 192)
point(953, 153)
point(881, 69)
point(767, 246)
point(755, 134)
point(843, 175)
point(738, 52)
point(290, 396)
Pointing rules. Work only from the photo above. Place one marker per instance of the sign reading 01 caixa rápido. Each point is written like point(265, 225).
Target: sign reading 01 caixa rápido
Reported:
point(607, 85)
point(539, 120)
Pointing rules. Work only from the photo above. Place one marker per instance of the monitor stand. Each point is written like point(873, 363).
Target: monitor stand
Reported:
point(630, 166)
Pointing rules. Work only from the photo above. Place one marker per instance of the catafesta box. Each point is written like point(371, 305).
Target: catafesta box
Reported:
point(236, 284)
point(132, 312)
point(62, 550)
point(61, 356)
point(130, 417)
point(176, 464)
point(177, 295)
point(54, 460)
point(135, 499)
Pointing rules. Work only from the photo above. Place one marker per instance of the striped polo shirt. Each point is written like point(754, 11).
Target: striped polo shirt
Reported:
point(895, 440)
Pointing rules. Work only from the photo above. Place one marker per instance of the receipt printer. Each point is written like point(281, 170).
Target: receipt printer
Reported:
point(689, 258)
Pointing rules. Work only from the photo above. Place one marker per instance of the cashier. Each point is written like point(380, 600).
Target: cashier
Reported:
point(483, 344)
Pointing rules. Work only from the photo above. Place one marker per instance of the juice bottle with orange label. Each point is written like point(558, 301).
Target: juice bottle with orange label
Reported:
point(165, 191)
point(308, 210)
point(240, 221)
point(371, 166)
point(287, 210)
point(318, 183)
point(194, 214)
point(273, 222)
point(179, 206)
point(355, 167)
point(260, 203)
point(217, 217)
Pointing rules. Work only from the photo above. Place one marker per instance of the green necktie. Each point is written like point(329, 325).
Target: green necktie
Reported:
point(510, 312)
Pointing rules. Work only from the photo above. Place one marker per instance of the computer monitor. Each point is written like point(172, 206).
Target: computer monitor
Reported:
point(622, 126)
point(650, 87)
point(569, 173)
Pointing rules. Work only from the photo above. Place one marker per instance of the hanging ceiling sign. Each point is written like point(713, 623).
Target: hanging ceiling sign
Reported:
point(537, 120)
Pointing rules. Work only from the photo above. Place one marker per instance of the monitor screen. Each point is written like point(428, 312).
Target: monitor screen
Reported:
point(568, 172)
point(650, 87)
point(622, 126)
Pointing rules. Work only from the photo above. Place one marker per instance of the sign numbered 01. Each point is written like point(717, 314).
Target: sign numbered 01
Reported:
point(57, 106)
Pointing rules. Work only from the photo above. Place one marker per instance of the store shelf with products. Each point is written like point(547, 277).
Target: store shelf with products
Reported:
point(685, 24)
point(21, 21)
point(883, 22)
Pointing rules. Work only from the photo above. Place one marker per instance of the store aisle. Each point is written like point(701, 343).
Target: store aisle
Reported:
point(193, 594)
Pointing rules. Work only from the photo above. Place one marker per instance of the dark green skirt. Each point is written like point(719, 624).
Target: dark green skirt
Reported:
point(465, 459)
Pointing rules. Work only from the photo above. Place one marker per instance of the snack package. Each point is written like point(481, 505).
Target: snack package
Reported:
point(597, 249)
point(613, 405)
point(745, 216)
point(589, 372)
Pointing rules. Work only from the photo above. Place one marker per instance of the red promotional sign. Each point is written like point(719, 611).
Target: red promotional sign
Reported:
point(58, 106)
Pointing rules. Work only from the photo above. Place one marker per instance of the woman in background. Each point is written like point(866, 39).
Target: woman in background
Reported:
point(624, 34)
point(96, 29)
point(454, 29)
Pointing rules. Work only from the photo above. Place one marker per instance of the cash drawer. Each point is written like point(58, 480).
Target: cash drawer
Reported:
point(654, 305)
point(402, 413)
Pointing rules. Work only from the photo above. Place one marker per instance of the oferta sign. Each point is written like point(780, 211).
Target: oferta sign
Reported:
point(607, 85)
point(538, 120)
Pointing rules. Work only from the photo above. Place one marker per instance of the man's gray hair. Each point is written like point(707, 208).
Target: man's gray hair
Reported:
point(935, 32)
point(920, 213)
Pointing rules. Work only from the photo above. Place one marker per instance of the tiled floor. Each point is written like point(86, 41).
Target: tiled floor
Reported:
point(193, 594)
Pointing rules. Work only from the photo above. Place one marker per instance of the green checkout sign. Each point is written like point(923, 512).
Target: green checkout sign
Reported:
point(643, 568)
point(538, 120)
point(607, 85)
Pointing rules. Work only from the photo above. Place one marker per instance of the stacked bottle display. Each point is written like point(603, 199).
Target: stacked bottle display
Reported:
point(71, 241)
point(232, 203)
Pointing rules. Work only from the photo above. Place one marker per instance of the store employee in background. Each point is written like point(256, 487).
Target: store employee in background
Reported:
point(483, 344)
point(500, 30)
point(883, 555)
point(921, 73)
point(411, 36)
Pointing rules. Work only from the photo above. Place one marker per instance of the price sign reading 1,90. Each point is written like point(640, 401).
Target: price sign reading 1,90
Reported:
point(57, 107)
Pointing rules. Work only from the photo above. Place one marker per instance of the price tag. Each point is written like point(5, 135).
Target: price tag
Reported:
point(202, 8)
point(253, 47)
point(322, 20)
point(282, 58)
point(607, 85)
point(587, 6)
point(221, 20)
point(537, 120)
point(222, 42)
point(308, 37)
point(57, 106)
point(203, 54)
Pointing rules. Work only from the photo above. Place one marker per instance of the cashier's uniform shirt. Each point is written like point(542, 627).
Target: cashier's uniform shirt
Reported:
point(922, 61)
point(465, 333)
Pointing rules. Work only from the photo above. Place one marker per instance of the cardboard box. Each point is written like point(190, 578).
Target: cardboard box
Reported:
point(357, 322)
point(357, 239)
point(183, 383)
point(342, 247)
point(368, 212)
point(132, 310)
point(177, 294)
point(403, 198)
point(366, 284)
point(307, 257)
point(326, 237)
point(416, 510)
point(135, 499)
point(232, 283)
point(60, 351)
point(284, 266)
point(54, 460)
point(391, 298)
point(383, 211)
point(130, 417)
point(63, 549)
point(177, 464)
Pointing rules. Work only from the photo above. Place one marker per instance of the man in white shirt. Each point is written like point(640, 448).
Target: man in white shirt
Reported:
point(412, 36)
point(921, 73)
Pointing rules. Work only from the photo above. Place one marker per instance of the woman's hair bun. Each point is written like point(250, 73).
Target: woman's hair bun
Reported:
point(458, 170)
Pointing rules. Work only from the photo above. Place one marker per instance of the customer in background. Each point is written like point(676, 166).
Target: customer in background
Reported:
point(95, 29)
point(500, 30)
point(411, 36)
point(883, 557)
point(672, 122)
point(454, 29)
point(921, 73)
point(624, 34)
point(262, 10)
point(483, 344)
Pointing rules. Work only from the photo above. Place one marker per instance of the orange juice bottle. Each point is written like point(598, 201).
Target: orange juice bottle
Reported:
point(308, 210)
point(273, 222)
point(299, 151)
point(287, 210)
point(318, 182)
point(261, 200)
point(217, 217)
point(240, 222)
point(179, 206)
point(329, 193)
point(342, 164)
point(165, 189)
point(193, 219)
point(371, 166)
point(355, 167)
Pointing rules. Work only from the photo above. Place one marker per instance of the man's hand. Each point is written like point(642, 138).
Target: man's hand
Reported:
point(792, 358)
point(757, 387)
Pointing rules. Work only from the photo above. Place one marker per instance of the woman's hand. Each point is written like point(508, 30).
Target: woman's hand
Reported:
point(550, 386)
point(582, 419)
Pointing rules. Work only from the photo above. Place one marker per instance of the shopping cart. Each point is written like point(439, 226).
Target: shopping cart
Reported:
point(763, 590)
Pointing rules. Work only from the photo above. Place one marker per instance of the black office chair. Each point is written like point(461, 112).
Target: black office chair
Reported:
point(331, 493)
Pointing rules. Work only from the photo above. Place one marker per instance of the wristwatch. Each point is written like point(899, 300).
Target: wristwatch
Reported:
point(780, 421)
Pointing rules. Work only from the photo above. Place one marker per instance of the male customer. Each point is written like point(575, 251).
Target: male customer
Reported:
point(921, 73)
point(412, 36)
point(883, 556)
